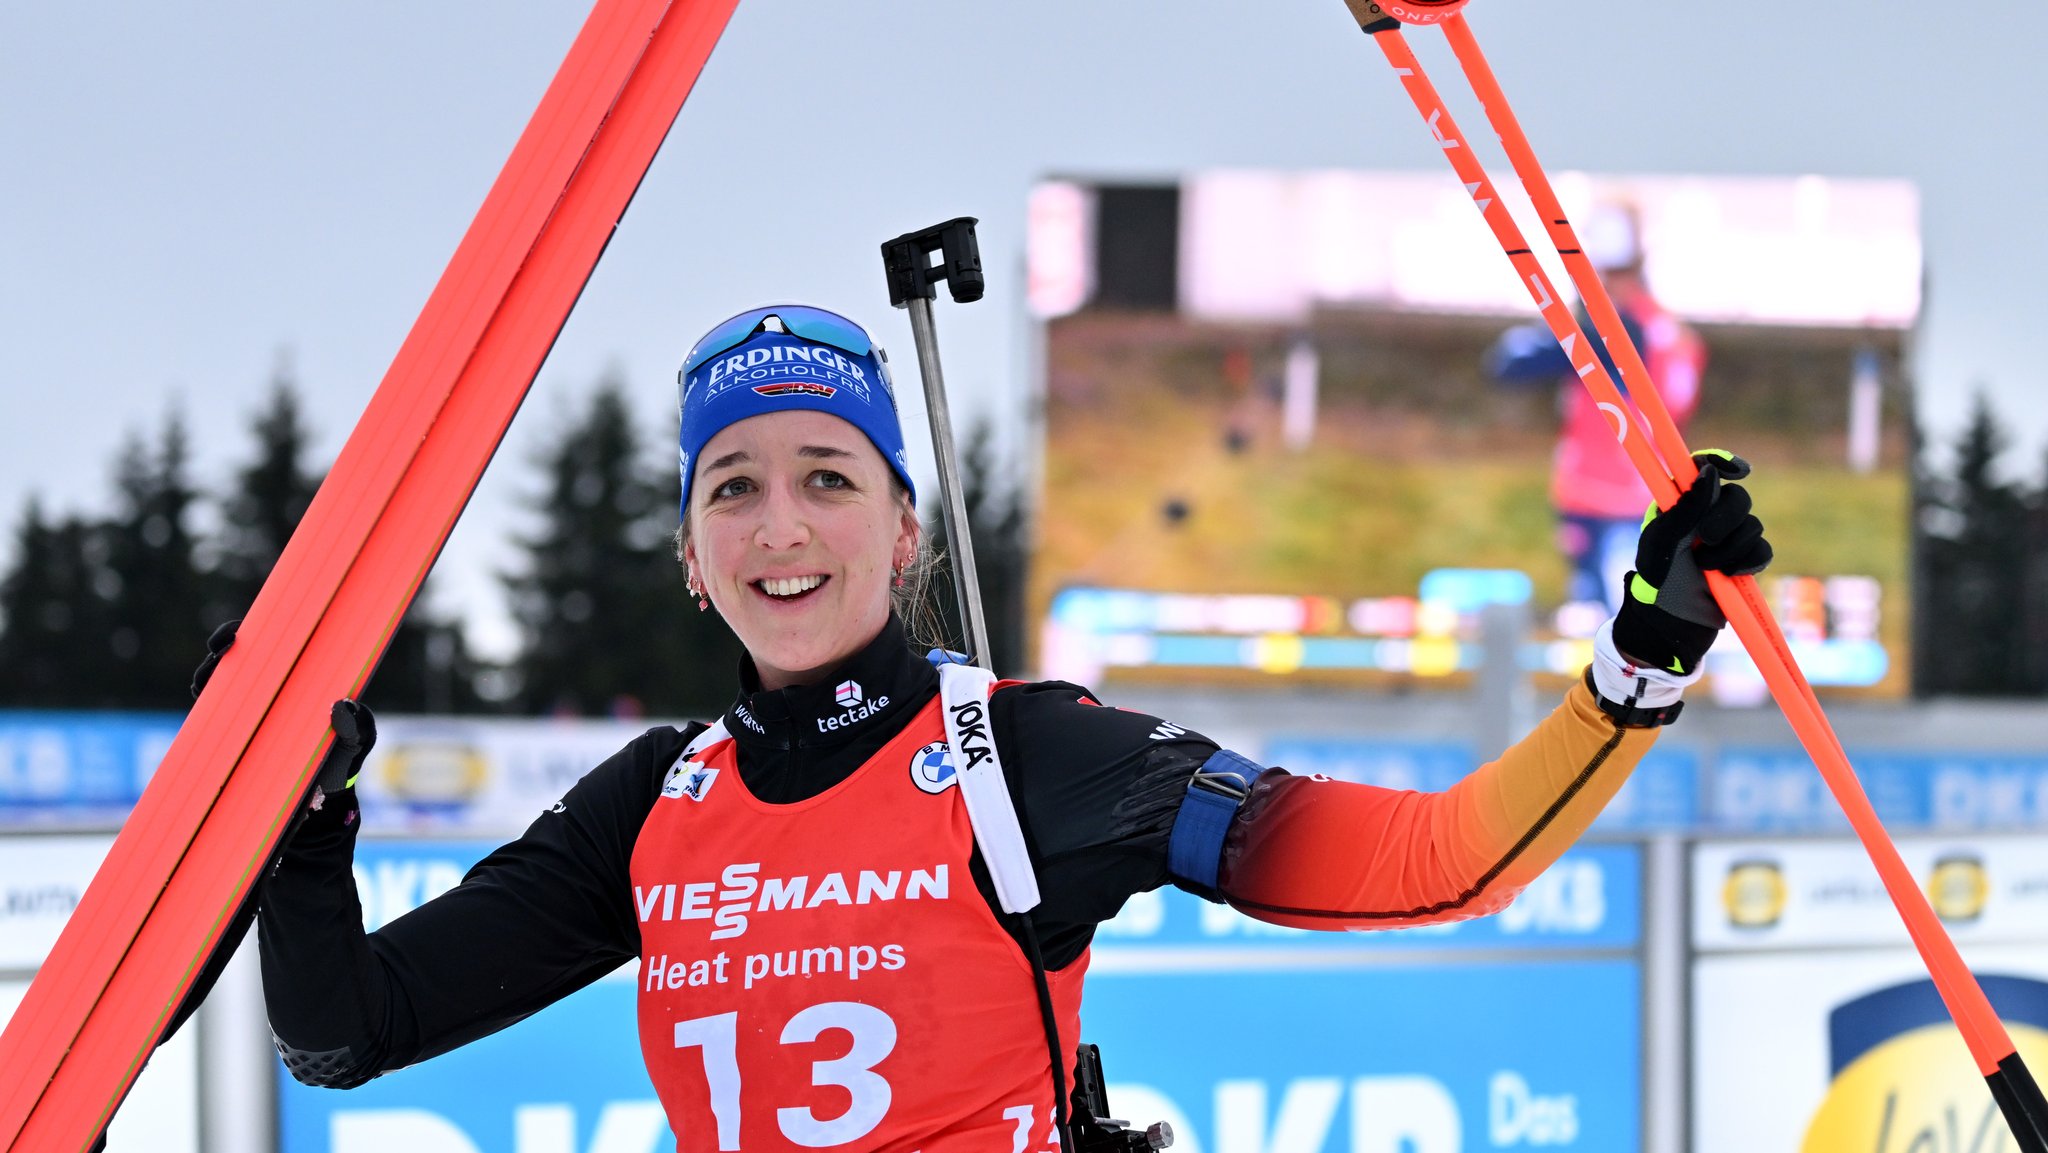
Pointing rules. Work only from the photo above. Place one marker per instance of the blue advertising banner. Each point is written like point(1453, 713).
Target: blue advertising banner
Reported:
point(1247, 1036)
point(64, 765)
point(1250, 1038)
point(1422, 1059)
point(1763, 790)
point(567, 1080)
point(1590, 899)
point(1663, 793)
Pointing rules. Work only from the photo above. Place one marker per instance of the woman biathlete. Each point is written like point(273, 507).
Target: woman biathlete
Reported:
point(824, 962)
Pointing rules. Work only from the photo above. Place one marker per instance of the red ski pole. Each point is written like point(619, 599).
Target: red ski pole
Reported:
point(2011, 1084)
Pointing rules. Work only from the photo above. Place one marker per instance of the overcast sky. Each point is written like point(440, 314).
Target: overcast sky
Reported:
point(192, 191)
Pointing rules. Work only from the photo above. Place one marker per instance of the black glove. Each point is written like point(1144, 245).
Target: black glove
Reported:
point(1668, 619)
point(355, 734)
point(223, 638)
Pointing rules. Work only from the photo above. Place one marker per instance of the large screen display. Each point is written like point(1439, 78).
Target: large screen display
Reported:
point(1298, 424)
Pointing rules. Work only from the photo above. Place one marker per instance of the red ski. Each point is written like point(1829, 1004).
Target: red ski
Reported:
point(212, 814)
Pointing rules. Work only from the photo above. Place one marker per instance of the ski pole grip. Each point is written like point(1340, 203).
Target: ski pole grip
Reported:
point(908, 259)
point(1370, 16)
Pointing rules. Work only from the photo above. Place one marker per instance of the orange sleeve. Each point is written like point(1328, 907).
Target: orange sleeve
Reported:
point(1323, 854)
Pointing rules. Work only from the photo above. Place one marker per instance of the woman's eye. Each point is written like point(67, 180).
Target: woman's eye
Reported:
point(825, 478)
point(737, 486)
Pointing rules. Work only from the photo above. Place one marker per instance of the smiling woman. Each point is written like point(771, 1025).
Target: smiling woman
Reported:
point(828, 960)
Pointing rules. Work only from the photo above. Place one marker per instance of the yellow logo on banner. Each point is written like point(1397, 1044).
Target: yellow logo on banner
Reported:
point(1918, 1092)
point(1904, 1082)
point(1754, 894)
point(1958, 888)
point(428, 772)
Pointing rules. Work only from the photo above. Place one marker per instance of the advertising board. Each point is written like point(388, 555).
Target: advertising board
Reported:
point(566, 1080)
point(42, 878)
point(1516, 1031)
point(1512, 1031)
point(1815, 1027)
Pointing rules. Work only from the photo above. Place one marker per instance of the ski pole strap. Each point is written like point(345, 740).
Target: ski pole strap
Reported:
point(1194, 853)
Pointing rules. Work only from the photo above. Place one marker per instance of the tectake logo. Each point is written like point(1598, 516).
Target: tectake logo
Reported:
point(931, 768)
point(857, 709)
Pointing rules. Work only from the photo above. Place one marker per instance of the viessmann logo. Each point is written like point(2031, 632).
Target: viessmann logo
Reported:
point(858, 708)
point(740, 890)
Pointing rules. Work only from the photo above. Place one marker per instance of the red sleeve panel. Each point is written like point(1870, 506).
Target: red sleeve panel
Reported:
point(1322, 854)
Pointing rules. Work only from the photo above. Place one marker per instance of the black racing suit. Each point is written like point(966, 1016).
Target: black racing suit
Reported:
point(541, 917)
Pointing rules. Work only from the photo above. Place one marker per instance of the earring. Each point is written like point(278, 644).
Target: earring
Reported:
point(697, 590)
point(896, 578)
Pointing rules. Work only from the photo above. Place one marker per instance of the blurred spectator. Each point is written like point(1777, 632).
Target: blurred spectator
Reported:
point(1598, 496)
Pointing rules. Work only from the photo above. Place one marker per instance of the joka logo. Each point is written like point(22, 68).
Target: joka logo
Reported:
point(797, 388)
point(970, 720)
point(848, 693)
point(1167, 731)
point(690, 779)
point(931, 767)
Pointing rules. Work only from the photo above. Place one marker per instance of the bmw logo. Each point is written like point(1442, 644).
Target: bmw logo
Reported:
point(931, 767)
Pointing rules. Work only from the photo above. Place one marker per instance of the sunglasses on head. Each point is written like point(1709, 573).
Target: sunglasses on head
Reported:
point(799, 320)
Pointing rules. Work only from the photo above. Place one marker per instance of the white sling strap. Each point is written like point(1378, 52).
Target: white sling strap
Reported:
point(963, 698)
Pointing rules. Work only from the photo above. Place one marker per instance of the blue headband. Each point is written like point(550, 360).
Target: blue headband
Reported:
point(782, 357)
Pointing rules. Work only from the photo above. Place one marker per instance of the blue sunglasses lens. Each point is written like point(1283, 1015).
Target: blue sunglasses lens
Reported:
point(809, 323)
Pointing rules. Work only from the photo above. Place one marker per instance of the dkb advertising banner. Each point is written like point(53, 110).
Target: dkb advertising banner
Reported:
point(566, 1080)
point(1515, 1031)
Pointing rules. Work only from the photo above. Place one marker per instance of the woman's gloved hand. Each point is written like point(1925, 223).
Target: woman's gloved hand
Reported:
point(355, 734)
point(1669, 620)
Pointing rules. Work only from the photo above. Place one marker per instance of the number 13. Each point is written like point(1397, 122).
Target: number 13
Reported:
point(874, 1038)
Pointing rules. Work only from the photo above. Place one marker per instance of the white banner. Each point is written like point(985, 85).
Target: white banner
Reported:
point(1766, 1038)
point(488, 776)
point(42, 879)
point(1753, 895)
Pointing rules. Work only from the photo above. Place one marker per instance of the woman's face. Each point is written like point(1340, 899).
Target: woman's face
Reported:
point(795, 530)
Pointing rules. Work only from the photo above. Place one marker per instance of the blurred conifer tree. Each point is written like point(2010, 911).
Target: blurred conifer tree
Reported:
point(148, 574)
point(426, 668)
point(53, 623)
point(1983, 561)
point(607, 626)
point(995, 519)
